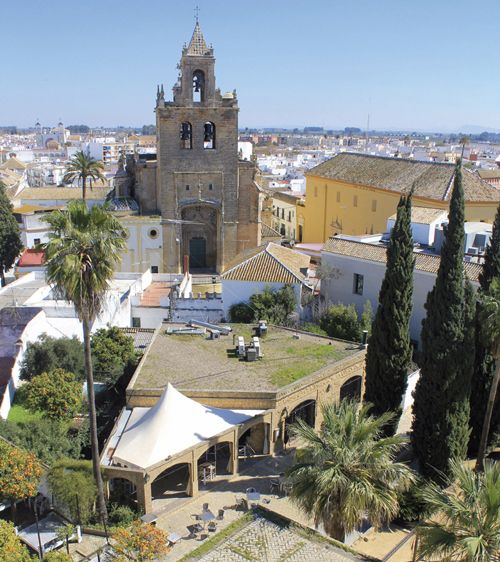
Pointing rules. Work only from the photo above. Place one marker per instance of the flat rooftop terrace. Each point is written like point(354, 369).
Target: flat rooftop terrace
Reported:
point(193, 362)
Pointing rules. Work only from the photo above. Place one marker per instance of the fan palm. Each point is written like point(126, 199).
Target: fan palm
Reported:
point(83, 167)
point(467, 524)
point(346, 471)
point(83, 248)
point(490, 325)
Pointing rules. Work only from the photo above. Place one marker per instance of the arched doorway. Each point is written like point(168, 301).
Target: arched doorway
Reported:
point(171, 483)
point(122, 491)
point(305, 411)
point(215, 461)
point(254, 441)
point(199, 236)
point(351, 389)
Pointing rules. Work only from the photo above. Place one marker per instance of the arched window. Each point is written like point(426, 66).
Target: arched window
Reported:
point(186, 135)
point(209, 135)
point(198, 86)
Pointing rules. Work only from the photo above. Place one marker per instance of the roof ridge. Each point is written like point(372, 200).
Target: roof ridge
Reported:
point(280, 262)
point(396, 159)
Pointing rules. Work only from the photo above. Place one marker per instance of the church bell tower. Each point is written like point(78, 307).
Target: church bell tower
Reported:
point(197, 189)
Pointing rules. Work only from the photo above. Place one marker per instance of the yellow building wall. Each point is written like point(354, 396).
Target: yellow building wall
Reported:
point(335, 207)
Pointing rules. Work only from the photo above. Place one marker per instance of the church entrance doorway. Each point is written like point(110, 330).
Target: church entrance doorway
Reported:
point(197, 253)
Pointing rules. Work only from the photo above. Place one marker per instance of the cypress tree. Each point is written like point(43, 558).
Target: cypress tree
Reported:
point(389, 351)
point(10, 236)
point(440, 428)
point(484, 364)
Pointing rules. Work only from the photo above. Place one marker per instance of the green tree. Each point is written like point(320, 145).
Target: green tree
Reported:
point(48, 353)
point(20, 474)
point(57, 394)
point(441, 406)
point(388, 358)
point(341, 321)
point(140, 542)
point(490, 327)
point(64, 533)
point(83, 249)
point(241, 313)
point(346, 470)
point(484, 365)
point(467, 526)
point(48, 439)
point(11, 547)
point(10, 236)
point(82, 167)
point(73, 486)
point(273, 305)
point(112, 352)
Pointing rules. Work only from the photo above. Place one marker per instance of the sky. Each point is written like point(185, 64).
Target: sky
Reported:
point(425, 65)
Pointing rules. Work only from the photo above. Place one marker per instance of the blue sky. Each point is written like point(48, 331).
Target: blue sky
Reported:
point(413, 65)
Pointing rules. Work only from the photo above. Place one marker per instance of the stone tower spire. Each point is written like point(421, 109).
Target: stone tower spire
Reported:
point(197, 45)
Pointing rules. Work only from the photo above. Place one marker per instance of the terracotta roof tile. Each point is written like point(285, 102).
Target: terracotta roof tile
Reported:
point(423, 215)
point(431, 180)
point(374, 252)
point(269, 264)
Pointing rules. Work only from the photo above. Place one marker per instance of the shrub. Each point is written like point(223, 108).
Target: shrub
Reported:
point(241, 313)
point(121, 515)
point(341, 321)
point(112, 352)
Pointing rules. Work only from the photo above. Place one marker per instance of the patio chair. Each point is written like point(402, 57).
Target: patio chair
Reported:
point(205, 507)
point(251, 491)
point(212, 526)
point(274, 487)
point(220, 515)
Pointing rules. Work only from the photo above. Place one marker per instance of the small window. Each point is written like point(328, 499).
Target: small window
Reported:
point(355, 201)
point(358, 284)
point(154, 269)
point(186, 134)
point(209, 135)
point(153, 233)
point(374, 205)
point(36, 241)
point(210, 187)
point(338, 196)
point(289, 216)
point(187, 187)
point(136, 322)
point(282, 213)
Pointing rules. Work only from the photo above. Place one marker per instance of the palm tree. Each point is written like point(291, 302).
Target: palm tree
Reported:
point(83, 167)
point(490, 325)
point(346, 470)
point(467, 523)
point(83, 248)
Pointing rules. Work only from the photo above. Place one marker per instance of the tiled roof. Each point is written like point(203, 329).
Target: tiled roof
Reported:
point(13, 164)
point(374, 252)
point(269, 232)
point(431, 180)
point(489, 174)
point(269, 264)
point(61, 193)
point(197, 45)
point(423, 215)
point(30, 258)
point(142, 337)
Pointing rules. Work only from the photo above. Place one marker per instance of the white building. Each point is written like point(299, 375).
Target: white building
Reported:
point(359, 268)
point(28, 309)
point(270, 266)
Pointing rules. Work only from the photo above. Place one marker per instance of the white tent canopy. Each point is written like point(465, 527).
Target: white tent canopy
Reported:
point(175, 423)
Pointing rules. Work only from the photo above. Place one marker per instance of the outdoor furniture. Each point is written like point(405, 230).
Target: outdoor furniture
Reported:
point(207, 471)
point(150, 518)
point(205, 507)
point(173, 538)
point(274, 487)
point(212, 527)
point(253, 495)
point(220, 515)
point(203, 536)
point(206, 517)
point(250, 490)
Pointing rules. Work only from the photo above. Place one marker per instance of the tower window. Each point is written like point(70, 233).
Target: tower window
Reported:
point(198, 86)
point(187, 187)
point(186, 135)
point(209, 135)
point(210, 187)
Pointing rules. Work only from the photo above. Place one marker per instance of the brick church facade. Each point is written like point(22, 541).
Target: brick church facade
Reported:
point(207, 198)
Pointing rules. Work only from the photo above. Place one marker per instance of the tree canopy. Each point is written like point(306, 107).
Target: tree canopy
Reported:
point(112, 352)
point(273, 305)
point(341, 321)
point(388, 358)
point(467, 527)
point(11, 547)
point(48, 353)
point(82, 167)
point(346, 470)
point(140, 542)
point(10, 235)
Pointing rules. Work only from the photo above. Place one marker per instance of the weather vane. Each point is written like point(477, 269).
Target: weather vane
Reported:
point(196, 13)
